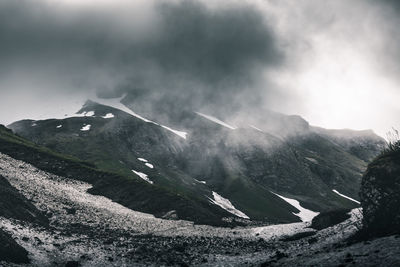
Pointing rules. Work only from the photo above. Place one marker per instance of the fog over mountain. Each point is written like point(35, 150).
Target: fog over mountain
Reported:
point(335, 63)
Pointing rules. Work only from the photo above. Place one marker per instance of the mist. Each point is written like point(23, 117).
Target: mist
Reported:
point(327, 62)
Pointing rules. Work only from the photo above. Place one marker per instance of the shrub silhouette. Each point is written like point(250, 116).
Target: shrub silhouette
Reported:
point(380, 191)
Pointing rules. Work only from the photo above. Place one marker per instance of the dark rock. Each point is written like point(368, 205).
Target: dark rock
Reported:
point(10, 251)
point(71, 211)
point(329, 218)
point(16, 206)
point(298, 236)
point(38, 241)
point(380, 195)
point(312, 240)
point(279, 255)
point(72, 264)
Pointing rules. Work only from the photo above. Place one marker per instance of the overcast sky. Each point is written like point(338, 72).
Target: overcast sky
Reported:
point(334, 62)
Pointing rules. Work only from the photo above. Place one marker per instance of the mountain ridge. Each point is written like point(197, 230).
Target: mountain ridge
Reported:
point(243, 165)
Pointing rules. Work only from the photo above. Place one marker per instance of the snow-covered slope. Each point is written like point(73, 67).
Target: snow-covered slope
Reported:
point(227, 205)
point(218, 121)
point(349, 198)
point(304, 214)
point(116, 103)
point(143, 176)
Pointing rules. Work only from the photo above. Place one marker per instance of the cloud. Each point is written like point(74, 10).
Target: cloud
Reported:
point(188, 49)
point(329, 61)
point(387, 47)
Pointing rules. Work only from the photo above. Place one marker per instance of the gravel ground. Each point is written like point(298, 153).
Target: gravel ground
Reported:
point(94, 231)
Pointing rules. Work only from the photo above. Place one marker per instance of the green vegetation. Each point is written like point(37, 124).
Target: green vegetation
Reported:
point(131, 192)
point(393, 141)
point(244, 166)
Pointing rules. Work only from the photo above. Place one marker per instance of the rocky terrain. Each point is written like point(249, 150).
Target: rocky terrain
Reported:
point(197, 156)
point(107, 187)
point(92, 230)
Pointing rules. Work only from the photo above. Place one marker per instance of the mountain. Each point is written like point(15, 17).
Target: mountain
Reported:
point(91, 230)
point(130, 191)
point(270, 168)
point(75, 192)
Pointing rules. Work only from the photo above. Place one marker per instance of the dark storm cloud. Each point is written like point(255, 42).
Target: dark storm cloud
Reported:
point(212, 45)
point(392, 4)
point(188, 50)
point(387, 52)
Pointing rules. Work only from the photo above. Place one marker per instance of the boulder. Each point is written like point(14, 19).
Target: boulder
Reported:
point(380, 195)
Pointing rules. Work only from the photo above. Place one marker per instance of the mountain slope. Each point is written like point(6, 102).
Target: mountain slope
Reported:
point(115, 144)
point(245, 165)
point(132, 191)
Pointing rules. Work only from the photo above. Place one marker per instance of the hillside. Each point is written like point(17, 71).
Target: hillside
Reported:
point(132, 191)
point(90, 230)
point(204, 156)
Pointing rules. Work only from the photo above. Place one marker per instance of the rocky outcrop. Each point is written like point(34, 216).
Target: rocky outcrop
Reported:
point(10, 251)
point(15, 206)
point(329, 218)
point(380, 195)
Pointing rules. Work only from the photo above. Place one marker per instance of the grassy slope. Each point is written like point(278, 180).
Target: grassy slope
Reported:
point(243, 171)
point(131, 192)
point(114, 145)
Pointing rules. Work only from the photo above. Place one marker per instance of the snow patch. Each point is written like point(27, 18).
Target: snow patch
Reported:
point(108, 116)
point(213, 119)
point(116, 103)
point(86, 128)
point(349, 198)
point(305, 215)
point(312, 160)
point(255, 128)
point(227, 205)
point(179, 133)
point(59, 126)
point(83, 114)
point(53, 193)
point(143, 176)
point(149, 165)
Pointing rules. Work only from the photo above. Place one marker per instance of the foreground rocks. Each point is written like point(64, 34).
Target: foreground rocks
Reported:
point(88, 230)
point(329, 218)
point(10, 251)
